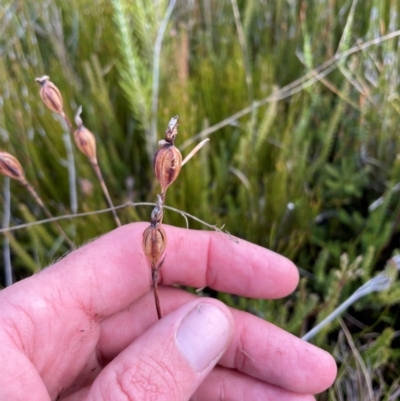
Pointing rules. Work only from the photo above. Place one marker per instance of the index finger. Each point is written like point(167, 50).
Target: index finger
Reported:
point(108, 274)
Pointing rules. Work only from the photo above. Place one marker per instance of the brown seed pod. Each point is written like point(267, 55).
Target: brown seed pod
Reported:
point(50, 95)
point(167, 164)
point(86, 143)
point(11, 167)
point(84, 139)
point(154, 243)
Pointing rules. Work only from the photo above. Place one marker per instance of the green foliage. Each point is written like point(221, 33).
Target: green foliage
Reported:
point(311, 170)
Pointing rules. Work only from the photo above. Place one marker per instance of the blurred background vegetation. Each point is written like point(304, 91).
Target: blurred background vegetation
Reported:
point(304, 160)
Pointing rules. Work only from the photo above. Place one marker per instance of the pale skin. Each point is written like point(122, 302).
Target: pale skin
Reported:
point(86, 328)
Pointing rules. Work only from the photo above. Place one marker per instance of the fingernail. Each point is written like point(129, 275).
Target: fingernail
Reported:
point(203, 334)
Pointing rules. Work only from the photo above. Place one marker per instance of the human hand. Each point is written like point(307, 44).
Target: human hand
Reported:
point(86, 328)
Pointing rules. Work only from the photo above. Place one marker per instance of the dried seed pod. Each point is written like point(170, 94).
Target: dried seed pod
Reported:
point(11, 167)
point(154, 243)
point(84, 139)
point(167, 164)
point(50, 95)
point(86, 143)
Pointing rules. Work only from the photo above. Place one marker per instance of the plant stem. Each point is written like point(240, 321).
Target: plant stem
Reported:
point(47, 212)
point(6, 244)
point(97, 170)
point(71, 172)
point(69, 125)
point(154, 275)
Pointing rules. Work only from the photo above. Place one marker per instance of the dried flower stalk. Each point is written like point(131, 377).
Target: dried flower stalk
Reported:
point(86, 143)
point(11, 167)
point(154, 244)
point(167, 163)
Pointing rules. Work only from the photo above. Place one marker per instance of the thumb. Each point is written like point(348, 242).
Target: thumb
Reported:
point(171, 359)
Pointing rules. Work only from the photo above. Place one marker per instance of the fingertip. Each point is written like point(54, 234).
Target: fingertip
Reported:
point(182, 348)
point(295, 275)
point(204, 333)
point(329, 370)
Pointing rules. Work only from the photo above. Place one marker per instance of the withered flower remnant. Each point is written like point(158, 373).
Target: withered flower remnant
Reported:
point(11, 167)
point(172, 130)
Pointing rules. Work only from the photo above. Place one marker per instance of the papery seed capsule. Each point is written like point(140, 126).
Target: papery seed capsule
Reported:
point(154, 243)
point(11, 167)
point(167, 165)
point(86, 143)
point(50, 95)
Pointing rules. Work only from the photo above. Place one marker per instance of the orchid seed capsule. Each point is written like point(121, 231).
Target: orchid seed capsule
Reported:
point(86, 143)
point(154, 243)
point(11, 167)
point(50, 95)
point(167, 164)
point(84, 139)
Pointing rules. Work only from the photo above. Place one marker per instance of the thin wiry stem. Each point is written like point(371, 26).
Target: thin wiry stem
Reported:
point(156, 73)
point(156, 295)
point(358, 358)
point(8, 276)
point(296, 86)
point(69, 125)
point(47, 212)
point(71, 172)
point(97, 170)
point(95, 212)
point(154, 275)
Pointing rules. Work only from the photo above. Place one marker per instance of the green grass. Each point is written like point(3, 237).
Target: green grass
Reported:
point(301, 169)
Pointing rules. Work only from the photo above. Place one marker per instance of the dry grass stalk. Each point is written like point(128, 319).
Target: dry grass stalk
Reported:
point(86, 143)
point(167, 164)
point(11, 167)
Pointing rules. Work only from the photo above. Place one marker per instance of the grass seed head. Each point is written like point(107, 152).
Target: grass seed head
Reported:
point(11, 167)
point(50, 95)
